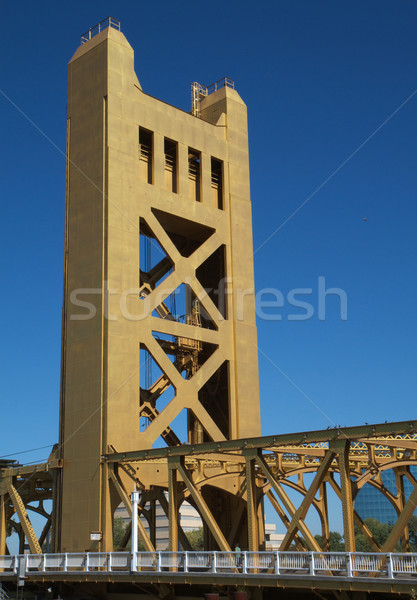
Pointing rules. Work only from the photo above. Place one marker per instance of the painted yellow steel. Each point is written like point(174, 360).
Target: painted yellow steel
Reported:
point(200, 504)
point(286, 501)
point(3, 524)
point(252, 501)
point(271, 474)
point(301, 512)
point(403, 519)
point(125, 179)
point(24, 520)
point(140, 167)
point(358, 459)
point(125, 499)
point(342, 449)
point(173, 507)
point(292, 446)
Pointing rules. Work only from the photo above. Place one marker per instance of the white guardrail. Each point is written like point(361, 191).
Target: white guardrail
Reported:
point(315, 564)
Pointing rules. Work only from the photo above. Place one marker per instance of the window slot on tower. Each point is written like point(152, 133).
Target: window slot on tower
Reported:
point(217, 183)
point(194, 174)
point(171, 153)
point(145, 154)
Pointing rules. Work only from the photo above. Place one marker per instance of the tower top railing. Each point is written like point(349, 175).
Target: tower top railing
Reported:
point(199, 91)
point(223, 82)
point(104, 24)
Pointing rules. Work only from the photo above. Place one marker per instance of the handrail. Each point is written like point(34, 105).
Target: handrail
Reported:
point(199, 91)
point(223, 82)
point(96, 29)
point(270, 564)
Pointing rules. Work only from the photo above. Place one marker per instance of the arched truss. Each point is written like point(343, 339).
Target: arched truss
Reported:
point(23, 490)
point(344, 460)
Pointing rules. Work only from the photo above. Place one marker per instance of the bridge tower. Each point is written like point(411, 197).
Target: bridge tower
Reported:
point(159, 339)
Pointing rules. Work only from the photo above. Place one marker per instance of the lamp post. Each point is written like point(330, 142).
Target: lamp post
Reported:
point(135, 502)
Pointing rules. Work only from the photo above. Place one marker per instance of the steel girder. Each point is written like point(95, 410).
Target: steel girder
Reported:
point(343, 460)
point(309, 463)
point(23, 490)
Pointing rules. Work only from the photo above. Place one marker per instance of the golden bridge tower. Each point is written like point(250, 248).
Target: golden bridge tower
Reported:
point(159, 336)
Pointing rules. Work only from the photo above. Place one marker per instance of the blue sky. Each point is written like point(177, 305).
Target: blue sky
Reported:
point(319, 79)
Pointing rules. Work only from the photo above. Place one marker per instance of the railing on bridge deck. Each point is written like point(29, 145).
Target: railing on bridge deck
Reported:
point(313, 564)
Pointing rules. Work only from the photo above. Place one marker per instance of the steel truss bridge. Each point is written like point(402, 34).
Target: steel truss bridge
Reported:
point(345, 459)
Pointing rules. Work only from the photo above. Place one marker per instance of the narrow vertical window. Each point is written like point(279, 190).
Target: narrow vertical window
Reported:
point(217, 183)
point(145, 154)
point(171, 153)
point(194, 174)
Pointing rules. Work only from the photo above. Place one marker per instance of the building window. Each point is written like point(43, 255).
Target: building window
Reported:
point(145, 154)
point(170, 169)
point(194, 174)
point(217, 183)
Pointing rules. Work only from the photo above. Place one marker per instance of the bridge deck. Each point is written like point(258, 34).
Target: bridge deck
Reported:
point(388, 573)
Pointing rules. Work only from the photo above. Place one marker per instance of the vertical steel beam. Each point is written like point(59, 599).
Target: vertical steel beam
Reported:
point(3, 525)
point(399, 481)
point(341, 447)
point(152, 522)
point(172, 505)
point(251, 498)
point(56, 478)
point(21, 539)
point(325, 528)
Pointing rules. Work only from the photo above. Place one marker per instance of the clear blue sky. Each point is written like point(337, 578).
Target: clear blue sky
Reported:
point(319, 78)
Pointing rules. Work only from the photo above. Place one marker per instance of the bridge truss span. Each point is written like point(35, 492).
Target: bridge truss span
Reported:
point(343, 460)
point(311, 463)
